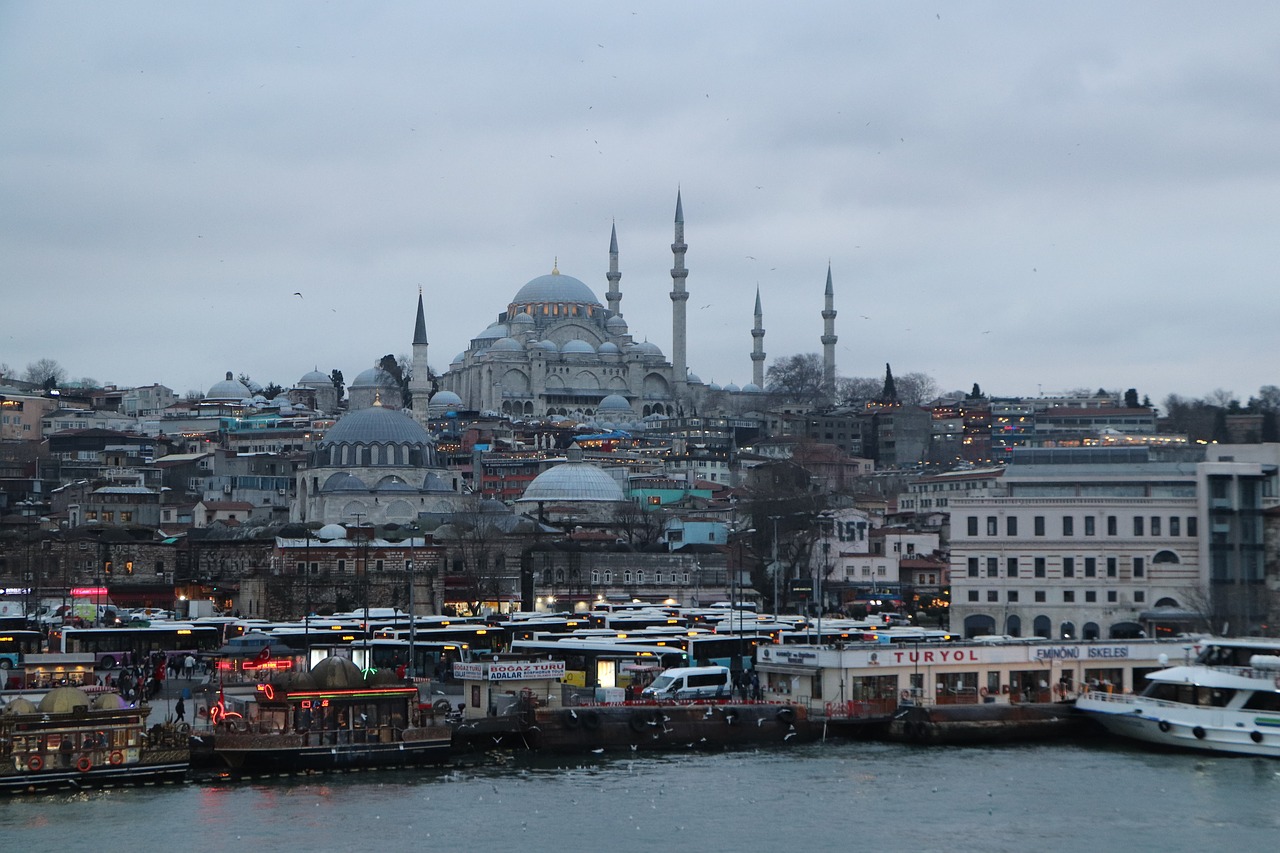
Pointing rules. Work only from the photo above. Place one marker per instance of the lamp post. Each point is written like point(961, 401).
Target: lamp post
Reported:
point(774, 566)
point(413, 621)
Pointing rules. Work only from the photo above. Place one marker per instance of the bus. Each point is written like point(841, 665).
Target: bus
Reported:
point(129, 646)
point(14, 648)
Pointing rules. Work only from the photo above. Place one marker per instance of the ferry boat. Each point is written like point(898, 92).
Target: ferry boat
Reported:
point(1225, 700)
point(68, 740)
point(331, 718)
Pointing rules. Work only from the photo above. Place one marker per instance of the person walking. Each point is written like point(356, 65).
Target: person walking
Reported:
point(180, 711)
point(189, 667)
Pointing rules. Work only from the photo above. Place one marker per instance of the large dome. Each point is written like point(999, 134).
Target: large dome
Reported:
point(555, 287)
point(573, 481)
point(376, 425)
point(228, 389)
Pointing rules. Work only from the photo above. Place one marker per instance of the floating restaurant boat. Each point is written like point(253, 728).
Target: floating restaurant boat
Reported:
point(331, 718)
point(1225, 700)
point(68, 740)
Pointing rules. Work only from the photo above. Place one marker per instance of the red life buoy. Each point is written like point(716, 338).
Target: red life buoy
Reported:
point(35, 763)
point(982, 691)
point(117, 757)
point(84, 765)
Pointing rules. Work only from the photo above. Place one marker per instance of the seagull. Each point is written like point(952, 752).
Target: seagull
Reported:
point(573, 713)
point(297, 294)
point(597, 751)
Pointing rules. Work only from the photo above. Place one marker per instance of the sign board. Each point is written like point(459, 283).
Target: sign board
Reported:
point(510, 670)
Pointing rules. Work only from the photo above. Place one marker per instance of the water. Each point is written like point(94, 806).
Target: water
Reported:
point(843, 795)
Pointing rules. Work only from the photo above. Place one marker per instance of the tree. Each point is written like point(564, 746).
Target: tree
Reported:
point(975, 394)
point(46, 373)
point(798, 376)
point(1131, 398)
point(401, 370)
point(339, 384)
point(916, 389)
point(855, 388)
point(5, 371)
point(889, 393)
point(272, 391)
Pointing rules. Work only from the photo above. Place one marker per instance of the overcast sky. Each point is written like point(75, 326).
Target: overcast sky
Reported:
point(1034, 197)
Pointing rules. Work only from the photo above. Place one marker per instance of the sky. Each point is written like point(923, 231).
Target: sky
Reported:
point(1033, 197)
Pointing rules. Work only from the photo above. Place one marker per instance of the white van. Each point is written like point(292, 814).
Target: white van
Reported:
point(691, 682)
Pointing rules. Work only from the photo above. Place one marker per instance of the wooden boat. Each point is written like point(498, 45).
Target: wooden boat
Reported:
point(332, 718)
point(71, 741)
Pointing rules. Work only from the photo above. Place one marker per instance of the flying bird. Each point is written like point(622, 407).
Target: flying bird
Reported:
point(297, 294)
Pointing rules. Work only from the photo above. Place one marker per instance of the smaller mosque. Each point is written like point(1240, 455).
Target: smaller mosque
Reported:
point(374, 466)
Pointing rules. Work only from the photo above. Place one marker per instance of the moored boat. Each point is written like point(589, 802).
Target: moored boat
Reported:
point(1226, 700)
point(69, 740)
point(332, 718)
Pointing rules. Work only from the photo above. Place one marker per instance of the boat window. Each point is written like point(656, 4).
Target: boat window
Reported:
point(1263, 700)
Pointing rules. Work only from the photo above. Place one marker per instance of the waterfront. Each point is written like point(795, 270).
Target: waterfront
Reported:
point(838, 795)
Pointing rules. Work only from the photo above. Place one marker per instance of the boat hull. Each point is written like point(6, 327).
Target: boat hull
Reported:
point(1182, 727)
point(254, 754)
point(167, 767)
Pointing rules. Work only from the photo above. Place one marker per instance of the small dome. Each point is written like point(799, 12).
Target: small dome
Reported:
point(228, 389)
point(573, 481)
point(458, 359)
point(693, 377)
point(614, 404)
point(445, 399)
point(714, 387)
point(63, 700)
point(315, 377)
point(548, 346)
point(393, 484)
point(331, 531)
point(555, 288)
point(751, 388)
point(435, 483)
point(492, 333)
point(608, 348)
point(732, 388)
point(523, 320)
point(374, 377)
point(578, 346)
point(336, 673)
point(647, 348)
point(616, 325)
point(19, 705)
point(109, 702)
point(344, 482)
point(507, 345)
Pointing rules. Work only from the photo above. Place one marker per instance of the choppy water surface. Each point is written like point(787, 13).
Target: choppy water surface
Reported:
point(839, 796)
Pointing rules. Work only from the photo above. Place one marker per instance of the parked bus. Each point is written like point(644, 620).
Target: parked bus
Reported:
point(128, 646)
point(14, 648)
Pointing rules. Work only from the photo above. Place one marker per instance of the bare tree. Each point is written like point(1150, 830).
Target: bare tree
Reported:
point(853, 388)
point(797, 376)
point(916, 389)
point(45, 372)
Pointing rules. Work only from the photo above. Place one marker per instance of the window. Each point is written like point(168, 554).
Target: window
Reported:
point(1089, 525)
point(972, 523)
point(1155, 525)
point(1090, 596)
point(342, 566)
point(991, 525)
point(1013, 596)
point(1011, 525)
point(1175, 526)
point(1039, 567)
point(993, 595)
point(973, 567)
point(1111, 525)
point(408, 565)
point(315, 568)
point(1139, 596)
point(1137, 525)
point(1090, 567)
point(302, 568)
point(126, 516)
point(1139, 567)
point(1068, 567)
point(1037, 524)
point(1192, 529)
point(1011, 567)
point(1068, 526)
point(377, 565)
point(1039, 596)
point(1111, 567)
point(1111, 596)
point(1068, 596)
point(993, 567)
point(973, 595)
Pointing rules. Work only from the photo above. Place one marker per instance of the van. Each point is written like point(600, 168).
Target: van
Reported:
point(691, 682)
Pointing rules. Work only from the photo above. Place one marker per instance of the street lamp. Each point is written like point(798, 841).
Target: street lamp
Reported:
point(413, 621)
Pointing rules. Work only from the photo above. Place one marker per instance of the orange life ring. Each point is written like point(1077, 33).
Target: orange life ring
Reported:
point(84, 765)
point(982, 691)
point(35, 763)
point(116, 757)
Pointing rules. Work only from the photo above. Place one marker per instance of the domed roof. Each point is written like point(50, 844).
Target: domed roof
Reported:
point(109, 702)
point(435, 483)
point(374, 377)
point(445, 398)
point(549, 346)
point(573, 481)
point(555, 288)
point(336, 673)
point(393, 484)
point(375, 425)
point(492, 333)
point(693, 377)
point(578, 346)
point(647, 348)
point(616, 325)
point(714, 387)
point(228, 389)
point(732, 388)
point(315, 377)
point(331, 531)
point(608, 348)
point(457, 359)
point(524, 320)
point(20, 705)
point(614, 404)
point(507, 345)
point(344, 482)
point(63, 700)
point(751, 388)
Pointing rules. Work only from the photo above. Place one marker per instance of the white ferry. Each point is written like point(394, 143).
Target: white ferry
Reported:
point(1225, 700)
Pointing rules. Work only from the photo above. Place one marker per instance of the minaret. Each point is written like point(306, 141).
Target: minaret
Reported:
point(420, 381)
point(679, 297)
point(614, 295)
point(757, 345)
point(829, 342)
